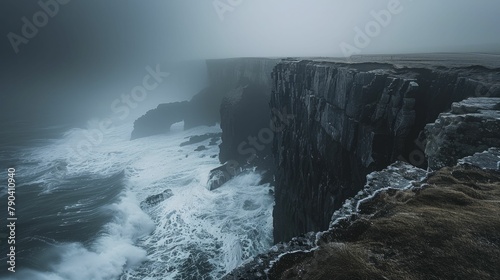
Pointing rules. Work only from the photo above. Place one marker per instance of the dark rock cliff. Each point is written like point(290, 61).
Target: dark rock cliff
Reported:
point(227, 77)
point(244, 106)
point(203, 108)
point(352, 119)
point(471, 126)
point(405, 223)
point(159, 120)
point(245, 116)
point(347, 120)
point(234, 72)
point(245, 112)
point(443, 228)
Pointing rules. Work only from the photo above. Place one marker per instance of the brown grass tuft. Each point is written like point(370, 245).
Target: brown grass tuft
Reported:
point(448, 230)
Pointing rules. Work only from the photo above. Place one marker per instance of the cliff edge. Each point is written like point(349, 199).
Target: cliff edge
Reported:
point(404, 224)
point(352, 119)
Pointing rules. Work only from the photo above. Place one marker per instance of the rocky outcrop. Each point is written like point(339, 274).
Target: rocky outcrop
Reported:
point(445, 228)
point(159, 120)
point(398, 176)
point(349, 120)
point(245, 114)
point(244, 107)
point(225, 77)
point(214, 137)
point(220, 175)
point(155, 199)
point(203, 108)
point(470, 127)
point(245, 117)
point(489, 159)
point(237, 97)
point(404, 224)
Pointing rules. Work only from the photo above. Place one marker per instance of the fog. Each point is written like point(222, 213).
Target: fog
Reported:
point(91, 52)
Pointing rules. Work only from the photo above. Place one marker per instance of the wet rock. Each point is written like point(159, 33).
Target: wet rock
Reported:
point(220, 175)
point(245, 114)
point(225, 75)
point(489, 159)
point(376, 229)
point(200, 138)
point(159, 120)
point(472, 126)
point(213, 141)
point(204, 107)
point(350, 120)
point(200, 148)
point(157, 198)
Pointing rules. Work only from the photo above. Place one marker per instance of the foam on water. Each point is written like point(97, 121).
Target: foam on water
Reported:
point(112, 251)
point(203, 234)
point(195, 234)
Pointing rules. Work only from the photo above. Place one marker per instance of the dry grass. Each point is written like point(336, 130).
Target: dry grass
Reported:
point(449, 229)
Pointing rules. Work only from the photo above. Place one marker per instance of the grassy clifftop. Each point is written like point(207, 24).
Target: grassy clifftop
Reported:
point(447, 228)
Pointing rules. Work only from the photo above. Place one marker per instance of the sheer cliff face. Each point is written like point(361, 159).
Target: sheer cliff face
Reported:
point(245, 85)
point(234, 72)
point(350, 120)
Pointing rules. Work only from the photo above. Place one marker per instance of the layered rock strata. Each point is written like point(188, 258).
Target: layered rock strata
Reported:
point(471, 126)
point(350, 120)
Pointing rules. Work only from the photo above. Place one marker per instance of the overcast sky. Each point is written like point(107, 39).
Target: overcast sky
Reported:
point(101, 47)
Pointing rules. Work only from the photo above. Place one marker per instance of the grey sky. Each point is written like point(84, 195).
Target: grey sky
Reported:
point(97, 49)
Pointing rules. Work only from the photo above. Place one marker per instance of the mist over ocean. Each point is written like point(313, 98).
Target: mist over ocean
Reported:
point(85, 221)
point(204, 140)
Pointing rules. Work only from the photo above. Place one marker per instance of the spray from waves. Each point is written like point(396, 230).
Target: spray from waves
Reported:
point(111, 252)
point(199, 234)
point(50, 175)
point(195, 234)
point(203, 235)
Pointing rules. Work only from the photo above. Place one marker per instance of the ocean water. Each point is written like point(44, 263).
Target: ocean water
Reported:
point(81, 218)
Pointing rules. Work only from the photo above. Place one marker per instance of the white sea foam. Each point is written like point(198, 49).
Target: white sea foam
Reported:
point(112, 252)
point(194, 231)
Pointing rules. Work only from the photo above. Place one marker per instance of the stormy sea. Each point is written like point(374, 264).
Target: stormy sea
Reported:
point(135, 209)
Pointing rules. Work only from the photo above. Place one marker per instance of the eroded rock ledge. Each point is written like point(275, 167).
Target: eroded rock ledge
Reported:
point(350, 120)
point(404, 224)
point(471, 126)
point(445, 228)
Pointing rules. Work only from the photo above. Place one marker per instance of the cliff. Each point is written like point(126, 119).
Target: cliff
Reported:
point(329, 133)
point(404, 224)
point(443, 228)
point(471, 126)
point(234, 72)
point(244, 106)
point(226, 77)
point(350, 120)
point(245, 116)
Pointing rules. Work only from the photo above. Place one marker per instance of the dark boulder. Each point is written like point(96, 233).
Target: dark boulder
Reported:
point(157, 198)
point(214, 137)
point(200, 148)
point(220, 175)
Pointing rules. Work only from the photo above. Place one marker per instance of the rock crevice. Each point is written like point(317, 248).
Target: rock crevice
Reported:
point(350, 120)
